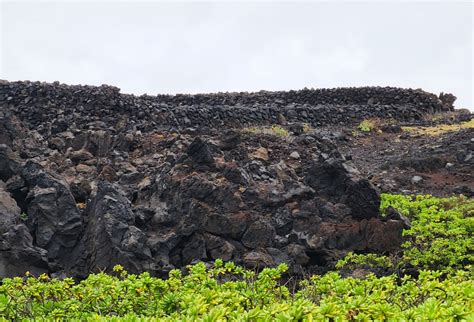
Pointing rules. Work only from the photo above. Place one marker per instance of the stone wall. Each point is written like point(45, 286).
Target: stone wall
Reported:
point(81, 106)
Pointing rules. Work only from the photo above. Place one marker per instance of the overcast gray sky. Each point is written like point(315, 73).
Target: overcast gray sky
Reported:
point(163, 47)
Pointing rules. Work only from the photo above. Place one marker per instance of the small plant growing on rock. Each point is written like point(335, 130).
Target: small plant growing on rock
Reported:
point(367, 126)
point(24, 216)
point(280, 131)
point(307, 128)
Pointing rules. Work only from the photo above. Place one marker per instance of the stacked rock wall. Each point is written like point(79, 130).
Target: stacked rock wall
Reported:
point(36, 102)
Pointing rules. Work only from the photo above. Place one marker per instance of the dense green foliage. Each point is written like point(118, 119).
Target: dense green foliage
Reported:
point(237, 294)
point(353, 261)
point(440, 238)
point(441, 230)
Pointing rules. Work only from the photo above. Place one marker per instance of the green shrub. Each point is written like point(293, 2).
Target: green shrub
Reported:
point(441, 230)
point(227, 291)
point(352, 261)
point(424, 298)
point(440, 236)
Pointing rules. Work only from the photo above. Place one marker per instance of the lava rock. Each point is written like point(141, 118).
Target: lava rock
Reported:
point(111, 237)
point(339, 181)
point(17, 252)
point(53, 218)
point(200, 152)
point(9, 164)
point(230, 140)
point(259, 234)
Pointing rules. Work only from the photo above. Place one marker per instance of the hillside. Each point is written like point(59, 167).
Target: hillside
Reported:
point(91, 178)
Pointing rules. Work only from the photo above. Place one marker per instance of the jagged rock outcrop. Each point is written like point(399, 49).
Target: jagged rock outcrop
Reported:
point(111, 236)
point(17, 251)
point(8, 162)
point(192, 199)
point(53, 217)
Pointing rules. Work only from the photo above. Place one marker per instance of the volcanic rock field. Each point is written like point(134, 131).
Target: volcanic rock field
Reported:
point(90, 177)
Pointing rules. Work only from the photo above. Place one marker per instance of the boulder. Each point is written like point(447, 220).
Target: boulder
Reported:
point(111, 237)
point(9, 163)
point(200, 152)
point(230, 140)
point(17, 252)
point(218, 247)
point(258, 260)
point(53, 218)
point(260, 154)
point(259, 234)
point(340, 182)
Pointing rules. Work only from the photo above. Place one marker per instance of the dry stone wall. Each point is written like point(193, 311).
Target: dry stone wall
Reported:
point(80, 106)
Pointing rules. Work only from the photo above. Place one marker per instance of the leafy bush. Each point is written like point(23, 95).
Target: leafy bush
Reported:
point(230, 292)
point(424, 298)
point(441, 230)
point(280, 131)
point(440, 236)
point(352, 261)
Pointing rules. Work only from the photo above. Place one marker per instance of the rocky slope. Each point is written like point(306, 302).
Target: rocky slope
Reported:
point(90, 178)
point(440, 165)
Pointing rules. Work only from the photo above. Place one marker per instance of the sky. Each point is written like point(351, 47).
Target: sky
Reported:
point(189, 47)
